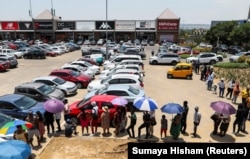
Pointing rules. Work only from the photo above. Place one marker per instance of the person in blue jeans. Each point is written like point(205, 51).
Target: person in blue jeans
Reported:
point(210, 81)
point(221, 85)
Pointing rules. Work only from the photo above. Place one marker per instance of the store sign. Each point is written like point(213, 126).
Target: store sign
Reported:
point(66, 25)
point(168, 25)
point(43, 25)
point(103, 25)
point(145, 25)
point(125, 25)
point(85, 26)
point(9, 26)
point(26, 26)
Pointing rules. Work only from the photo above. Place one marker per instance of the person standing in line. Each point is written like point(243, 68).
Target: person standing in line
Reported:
point(224, 124)
point(184, 117)
point(94, 120)
point(238, 119)
point(133, 119)
point(230, 87)
point(245, 93)
point(58, 119)
point(145, 124)
point(236, 92)
point(216, 117)
point(21, 134)
point(175, 127)
point(34, 129)
point(245, 116)
point(152, 123)
point(49, 119)
point(82, 116)
point(117, 120)
point(66, 110)
point(197, 119)
point(105, 121)
point(164, 126)
point(210, 81)
point(124, 118)
point(221, 85)
point(41, 126)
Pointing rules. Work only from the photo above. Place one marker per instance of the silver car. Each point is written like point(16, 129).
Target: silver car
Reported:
point(67, 87)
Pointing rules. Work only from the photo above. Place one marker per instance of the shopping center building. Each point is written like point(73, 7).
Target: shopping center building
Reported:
point(45, 26)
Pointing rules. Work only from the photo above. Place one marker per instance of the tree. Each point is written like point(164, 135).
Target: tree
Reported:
point(240, 35)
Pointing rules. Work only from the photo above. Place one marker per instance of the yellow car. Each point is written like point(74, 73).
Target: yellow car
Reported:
point(181, 70)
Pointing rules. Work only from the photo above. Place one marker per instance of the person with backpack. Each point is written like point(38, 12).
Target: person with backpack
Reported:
point(94, 120)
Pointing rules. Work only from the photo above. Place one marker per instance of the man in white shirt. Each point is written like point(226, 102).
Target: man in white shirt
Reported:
point(94, 120)
point(197, 119)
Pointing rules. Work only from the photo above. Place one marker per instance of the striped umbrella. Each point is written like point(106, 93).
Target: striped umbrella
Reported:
point(145, 103)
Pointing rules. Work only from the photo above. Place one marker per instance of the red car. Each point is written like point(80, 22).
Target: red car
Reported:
point(88, 60)
point(79, 79)
point(4, 65)
point(101, 100)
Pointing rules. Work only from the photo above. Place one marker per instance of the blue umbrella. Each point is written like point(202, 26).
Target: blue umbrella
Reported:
point(145, 103)
point(172, 108)
point(14, 149)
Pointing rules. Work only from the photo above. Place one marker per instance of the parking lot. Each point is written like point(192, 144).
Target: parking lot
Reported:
point(156, 86)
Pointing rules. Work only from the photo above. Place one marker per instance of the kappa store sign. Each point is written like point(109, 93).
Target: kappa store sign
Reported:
point(9, 26)
point(25, 26)
point(103, 25)
point(168, 25)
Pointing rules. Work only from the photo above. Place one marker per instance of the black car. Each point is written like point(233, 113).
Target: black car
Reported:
point(35, 53)
point(235, 49)
point(221, 48)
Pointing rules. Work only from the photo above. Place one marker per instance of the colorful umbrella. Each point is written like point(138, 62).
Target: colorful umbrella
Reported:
point(223, 107)
point(172, 108)
point(10, 127)
point(145, 103)
point(53, 106)
point(14, 149)
point(119, 101)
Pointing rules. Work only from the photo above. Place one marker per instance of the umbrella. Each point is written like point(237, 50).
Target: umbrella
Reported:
point(223, 107)
point(14, 149)
point(119, 101)
point(172, 108)
point(145, 103)
point(54, 106)
point(10, 127)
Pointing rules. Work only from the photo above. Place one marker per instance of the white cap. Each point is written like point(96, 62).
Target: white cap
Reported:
point(93, 103)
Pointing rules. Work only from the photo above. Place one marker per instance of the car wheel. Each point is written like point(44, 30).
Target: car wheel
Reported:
point(212, 62)
point(189, 77)
point(154, 62)
point(174, 63)
point(74, 120)
point(170, 76)
point(220, 59)
point(79, 85)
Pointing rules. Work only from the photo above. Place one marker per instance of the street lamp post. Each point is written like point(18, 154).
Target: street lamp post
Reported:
point(53, 14)
point(30, 14)
point(107, 56)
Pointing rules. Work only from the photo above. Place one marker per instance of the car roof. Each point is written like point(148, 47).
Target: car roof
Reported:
point(62, 70)
point(118, 87)
point(45, 77)
point(11, 97)
point(126, 70)
point(184, 63)
point(31, 85)
point(102, 98)
point(124, 76)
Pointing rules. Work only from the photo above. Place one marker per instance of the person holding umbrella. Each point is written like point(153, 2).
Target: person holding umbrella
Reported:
point(224, 124)
point(146, 123)
point(176, 126)
point(49, 120)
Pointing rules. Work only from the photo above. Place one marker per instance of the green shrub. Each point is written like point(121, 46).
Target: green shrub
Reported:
point(200, 49)
point(231, 65)
point(184, 56)
point(223, 54)
point(248, 61)
point(242, 59)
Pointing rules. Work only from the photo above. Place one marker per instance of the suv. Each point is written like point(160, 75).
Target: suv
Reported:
point(79, 79)
point(205, 58)
point(35, 53)
point(39, 91)
point(101, 101)
point(10, 59)
point(68, 88)
point(127, 62)
point(122, 79)
point(120, 58)
point(168, 58)
point(11, 52)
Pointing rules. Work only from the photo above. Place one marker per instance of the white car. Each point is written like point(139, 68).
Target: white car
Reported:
point(126, 62)
point(67, 87)
point(57, 50)
point(121, 79)
point(82, 70)
point(205, 58)
point(235, 58)
point(94, 68)
point(17, 54)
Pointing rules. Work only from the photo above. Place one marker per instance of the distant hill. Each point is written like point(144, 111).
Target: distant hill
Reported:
point(195, 26)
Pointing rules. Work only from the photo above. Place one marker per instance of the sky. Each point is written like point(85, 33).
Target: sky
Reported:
point(189, 11)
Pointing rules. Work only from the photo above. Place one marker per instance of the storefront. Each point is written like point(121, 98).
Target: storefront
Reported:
point(84, 30)
point(124, 30)
point(145, 30)
point(103, 28)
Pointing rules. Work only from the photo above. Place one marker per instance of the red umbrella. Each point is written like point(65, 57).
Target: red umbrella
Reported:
point(53, 106)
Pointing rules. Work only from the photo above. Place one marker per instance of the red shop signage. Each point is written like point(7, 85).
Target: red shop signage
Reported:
point(168, 25)
point(10, 26)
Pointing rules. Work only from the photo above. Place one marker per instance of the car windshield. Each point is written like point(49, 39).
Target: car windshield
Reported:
point(80, 104)
point(133, 90)
point(75, 73)
point(25, 103)
point(46, 89)
point(101, 91)
point(239, 54)
point(59, 81)
point(4, 119)
point(105, 80)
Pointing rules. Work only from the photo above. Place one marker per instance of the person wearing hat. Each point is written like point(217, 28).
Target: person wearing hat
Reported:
point(105, 121)
point(221, 85)
point(197, 119)
point(34, 129)
point(94, 120)
point(230, 87)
